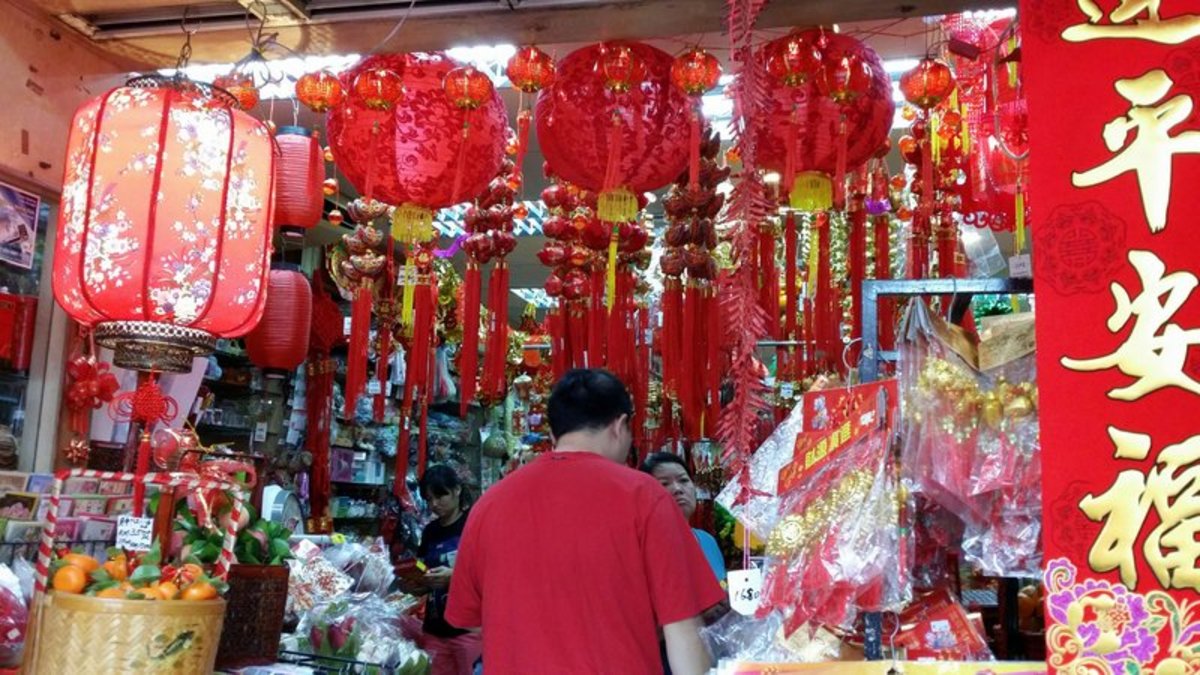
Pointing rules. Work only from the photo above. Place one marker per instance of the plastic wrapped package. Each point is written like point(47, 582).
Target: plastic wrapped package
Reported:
point(936, 627)
point(740, 638)
point(757, 507)
point(935, 531)
point(14, 617)
point(363, 627)
point(314, 581)
point(368, 565)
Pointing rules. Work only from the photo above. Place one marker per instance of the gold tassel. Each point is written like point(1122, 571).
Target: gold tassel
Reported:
point(814, 259)
point(812, 191)
point(964, 138)
point(610, 278)
point(617, 206)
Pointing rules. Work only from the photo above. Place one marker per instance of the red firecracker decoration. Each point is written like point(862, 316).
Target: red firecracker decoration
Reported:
point(320, 91)
point(927, 85)
point(378, 88)
point(279, 344)
point(299, 180)
point(530, 70)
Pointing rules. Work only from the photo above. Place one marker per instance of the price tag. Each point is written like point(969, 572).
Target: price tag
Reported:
point(260, 432)
point(373, 388)
point(135, 534)
point(346, 325)
point(1020, 266)
point(787, 390)
point(745, 589)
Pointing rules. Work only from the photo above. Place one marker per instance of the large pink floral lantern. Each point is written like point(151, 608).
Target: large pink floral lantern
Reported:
point(165, 224)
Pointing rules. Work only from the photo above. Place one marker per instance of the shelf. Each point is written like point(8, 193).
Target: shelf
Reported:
point(230, 389)
point(350, 483)
point(357, 519)
point(219, 430)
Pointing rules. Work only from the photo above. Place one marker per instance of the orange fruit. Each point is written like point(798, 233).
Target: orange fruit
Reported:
point(116, 569)
point(114, 592)
point(201, 590)
point(70, 579)
point(84, 562)
point(167, 590)
point(189, 573)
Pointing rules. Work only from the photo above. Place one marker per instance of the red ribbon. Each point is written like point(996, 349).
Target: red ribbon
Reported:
point(468, 357)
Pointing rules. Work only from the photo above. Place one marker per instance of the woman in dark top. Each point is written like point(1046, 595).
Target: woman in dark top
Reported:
point(454, 651)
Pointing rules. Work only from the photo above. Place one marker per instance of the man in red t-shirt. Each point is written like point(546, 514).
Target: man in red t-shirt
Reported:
point(572, 563)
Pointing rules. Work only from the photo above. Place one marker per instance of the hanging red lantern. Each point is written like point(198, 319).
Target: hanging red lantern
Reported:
point(795, 59)
point(160, 257)
point(241, 87)
point(378, 88)
point(843, 77)
point(467, 88)
point(927, 85)
point(620, 67)
point(530, 69)
point(695, 72)
point(320, 91)
point(279, 343)
point(299, 181)
point(574, 123)
point(410, 154)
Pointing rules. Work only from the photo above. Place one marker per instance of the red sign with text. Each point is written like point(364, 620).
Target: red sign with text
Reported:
point(1112, 87)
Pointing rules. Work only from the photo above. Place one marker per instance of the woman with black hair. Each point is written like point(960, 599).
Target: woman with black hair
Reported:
point(453, 651)
point(672, 473)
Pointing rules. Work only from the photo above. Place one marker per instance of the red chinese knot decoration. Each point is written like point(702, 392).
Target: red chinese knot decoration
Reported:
point(320, 91)
point(696, 72)
point(530, 69)
point(927, 85)
point(378, 88)
point(164, 250)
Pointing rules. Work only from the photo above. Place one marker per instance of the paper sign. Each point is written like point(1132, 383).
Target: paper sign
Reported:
point(346, 325)
point(260, 432)
point(135, 534)
point(745, 589)
point(1020, 266)
point(373, 388)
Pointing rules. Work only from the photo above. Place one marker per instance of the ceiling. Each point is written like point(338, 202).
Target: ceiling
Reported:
point(148, 33)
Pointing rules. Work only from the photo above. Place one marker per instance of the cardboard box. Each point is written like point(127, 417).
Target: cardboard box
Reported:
point(40, 483)
point(67, 530)
point(341, 463)
point(114, 487)
point(369, 472)
point(13, 481)
point(94, 528)
point(119, 505)
point(81, 486)
point(17, 531)
point(19, 505)
point(90, 505)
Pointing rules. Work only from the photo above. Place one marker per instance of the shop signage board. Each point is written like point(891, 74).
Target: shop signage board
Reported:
point(1112, 88)
point(18, 225)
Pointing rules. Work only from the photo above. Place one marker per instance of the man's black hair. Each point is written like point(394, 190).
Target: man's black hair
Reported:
point(587, 399)
point(440, 480)
point(657, 459)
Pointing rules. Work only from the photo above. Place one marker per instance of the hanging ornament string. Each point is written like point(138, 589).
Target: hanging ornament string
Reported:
point(145, 407)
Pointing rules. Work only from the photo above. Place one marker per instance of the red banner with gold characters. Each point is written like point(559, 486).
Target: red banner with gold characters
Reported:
point(1112, 88)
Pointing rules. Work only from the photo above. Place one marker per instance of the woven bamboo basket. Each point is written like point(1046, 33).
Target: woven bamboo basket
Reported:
point(83, 634)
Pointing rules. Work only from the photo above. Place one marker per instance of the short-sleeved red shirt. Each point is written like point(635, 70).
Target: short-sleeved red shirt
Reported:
point(571, 563)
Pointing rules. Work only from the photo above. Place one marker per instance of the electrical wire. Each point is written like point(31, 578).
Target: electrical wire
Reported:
point(395, 29)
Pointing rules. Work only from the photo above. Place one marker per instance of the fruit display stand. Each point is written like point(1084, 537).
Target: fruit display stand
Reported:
point(78, 633)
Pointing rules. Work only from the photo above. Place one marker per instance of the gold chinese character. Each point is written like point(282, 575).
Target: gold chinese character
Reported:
point(1152, 149)
point(1156, 350)
point(1124, 22)
point(1172, 490)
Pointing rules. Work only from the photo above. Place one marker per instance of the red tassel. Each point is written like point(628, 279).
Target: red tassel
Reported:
point(612, 169)
point(791, 287)
point(918, 255)
point(523, 119)
point(769, 275)
point(670, 344)
point(468, 356)
point(318, 390)
point(839, 175)
point(712, 344)
point(925, 206)
point(789, 161)
point(858, 270)
point(883, 270)
point(691, 369)
point(461, 164)
point(694, 151)
point(577, 333)
point(596, 315)
point(356, 357)
point(560, 355)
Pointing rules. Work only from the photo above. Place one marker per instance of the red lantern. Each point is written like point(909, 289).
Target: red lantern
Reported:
point(811, 121)
point(467, 88)
point(279, 342)
point(927, 85)
point(795, 59)
point(530, 70)
point(620, 67)
point(695, 72)
point(299, 181)
point(843, 77)
point(378, 88)
point(164, 250)
point(574, 123)
point(320, 91)
point(242, 88)
point(409, 155)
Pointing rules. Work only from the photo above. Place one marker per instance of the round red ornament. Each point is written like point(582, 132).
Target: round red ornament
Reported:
point(467, 88)
point(413, 155)
point(320, 91)
point(695, 72)
point(575, 126)
point(844, 76)
point(795, 59)
point(530, 69)
point(805, 116)
point(241, 86)
point(620, 67)
point(927, 85)
point(378, 88)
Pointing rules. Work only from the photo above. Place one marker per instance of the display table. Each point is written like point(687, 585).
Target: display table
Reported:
point(882, 668)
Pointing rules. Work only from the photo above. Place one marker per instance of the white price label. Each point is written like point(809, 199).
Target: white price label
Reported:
point(346, 325)
point(745, 589)
point(373, 388)
point(1020, 266)
point(135, 534)
point(787, 390)
point(260, 432)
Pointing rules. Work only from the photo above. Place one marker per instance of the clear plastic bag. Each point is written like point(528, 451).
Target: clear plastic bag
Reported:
point(757, 508)
point(368, 564)
point(936, 627)
point(363, 627)
point(748, 639)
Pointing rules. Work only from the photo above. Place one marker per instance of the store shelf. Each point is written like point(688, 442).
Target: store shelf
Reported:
point(230, 389)
point(357, 519)
point(219, 430)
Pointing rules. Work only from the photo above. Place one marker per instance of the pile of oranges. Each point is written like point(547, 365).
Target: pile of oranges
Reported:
point(131, 577)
